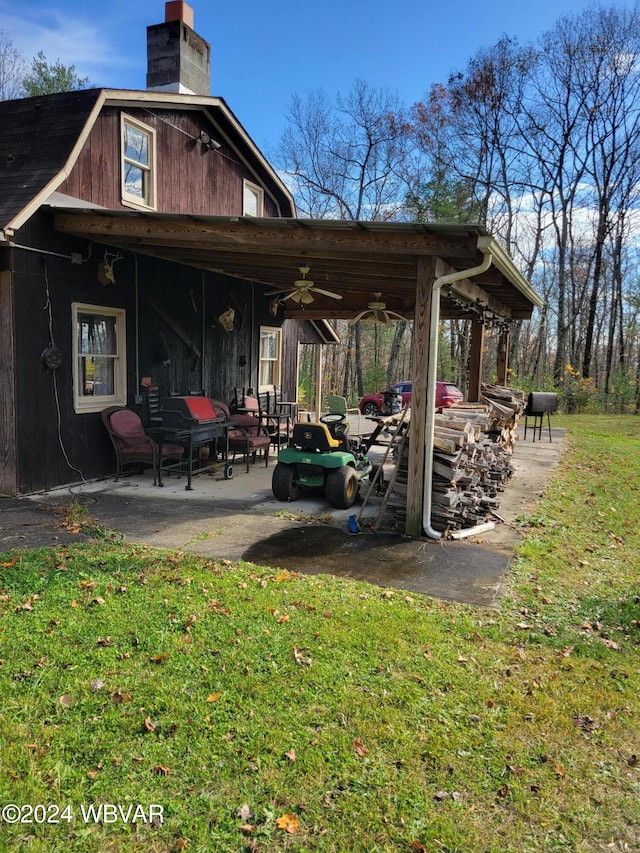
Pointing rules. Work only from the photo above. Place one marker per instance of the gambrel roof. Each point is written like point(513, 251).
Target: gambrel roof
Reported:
point(41, 138)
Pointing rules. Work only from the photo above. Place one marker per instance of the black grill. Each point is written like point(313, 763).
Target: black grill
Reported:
point(539, 404)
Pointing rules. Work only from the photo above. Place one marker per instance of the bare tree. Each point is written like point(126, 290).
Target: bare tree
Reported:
point(343, 160)
point(13, 69)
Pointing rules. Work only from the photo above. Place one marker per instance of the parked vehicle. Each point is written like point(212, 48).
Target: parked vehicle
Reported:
point(386, 402)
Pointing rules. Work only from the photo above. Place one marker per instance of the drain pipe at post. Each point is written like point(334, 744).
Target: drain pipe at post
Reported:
point(437, 286)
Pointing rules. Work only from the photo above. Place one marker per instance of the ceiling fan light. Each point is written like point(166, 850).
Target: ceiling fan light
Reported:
point(305, 297)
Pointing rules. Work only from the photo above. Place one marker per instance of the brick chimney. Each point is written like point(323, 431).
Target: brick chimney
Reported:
point(178, 59)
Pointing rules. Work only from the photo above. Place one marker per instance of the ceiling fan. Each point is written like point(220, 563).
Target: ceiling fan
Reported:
point(303, 289)
point(378, 312)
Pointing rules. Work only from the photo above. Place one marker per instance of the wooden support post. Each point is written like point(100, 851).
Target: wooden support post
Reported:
point(319, 375)
point(475, 361)
point(428, 270)
point(502, 367)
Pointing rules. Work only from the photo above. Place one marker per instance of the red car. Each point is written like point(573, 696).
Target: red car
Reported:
point(375, 404)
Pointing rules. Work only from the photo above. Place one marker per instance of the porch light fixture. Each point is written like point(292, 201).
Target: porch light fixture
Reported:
point(208, 141)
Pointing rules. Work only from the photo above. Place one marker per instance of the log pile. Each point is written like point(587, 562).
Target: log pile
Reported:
point(472, 460)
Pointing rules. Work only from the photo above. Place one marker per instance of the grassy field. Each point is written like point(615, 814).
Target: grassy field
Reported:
point(231, 707)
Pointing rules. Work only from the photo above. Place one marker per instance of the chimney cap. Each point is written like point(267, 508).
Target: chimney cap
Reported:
point(178, 10)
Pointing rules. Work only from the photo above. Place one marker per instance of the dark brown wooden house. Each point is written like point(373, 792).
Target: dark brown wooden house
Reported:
point(143, 234)
point(83, 321)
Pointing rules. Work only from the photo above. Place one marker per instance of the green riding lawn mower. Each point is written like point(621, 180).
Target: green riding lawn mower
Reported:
point(321, 456)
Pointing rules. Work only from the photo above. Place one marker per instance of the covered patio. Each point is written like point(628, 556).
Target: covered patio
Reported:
point(424, 272)
point(239, 520)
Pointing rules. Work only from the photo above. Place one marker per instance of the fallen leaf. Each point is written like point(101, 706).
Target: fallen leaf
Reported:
point(159, 658)
point(360, 748)
point(415, 845)
point(10, 562)
point(300, 658)
point(182, 844)
point(193, 618)
point(66, 700)
point(149, 725)
point(104, 641)
point(288, 822)
point(291, 755)
point(87, 584)
point(244, 812)
point(97, 684)
point(283, 576)
point(161, 770)
point(98, 600)
point(213, 697)
point(559, 770)
point(246, 827)
point(117, 697)
point(284, 618)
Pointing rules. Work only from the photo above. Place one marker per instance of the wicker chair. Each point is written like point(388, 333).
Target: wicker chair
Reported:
point(131, 443)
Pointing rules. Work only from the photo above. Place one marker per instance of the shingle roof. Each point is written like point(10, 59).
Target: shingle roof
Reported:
point(37, 136)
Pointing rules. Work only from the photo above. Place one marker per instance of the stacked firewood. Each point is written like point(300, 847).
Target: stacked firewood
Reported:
point(472, 460)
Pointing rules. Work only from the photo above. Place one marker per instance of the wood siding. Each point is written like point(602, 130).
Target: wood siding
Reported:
point(7, 393)
point(190, 178)
point(165, 304)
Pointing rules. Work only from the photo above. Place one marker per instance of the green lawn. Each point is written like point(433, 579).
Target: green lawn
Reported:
point(232, 707)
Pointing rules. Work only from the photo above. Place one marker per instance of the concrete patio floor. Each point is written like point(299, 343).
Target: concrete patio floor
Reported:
point(239, 519)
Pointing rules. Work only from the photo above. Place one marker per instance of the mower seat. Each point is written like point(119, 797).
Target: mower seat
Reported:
point(314, 438)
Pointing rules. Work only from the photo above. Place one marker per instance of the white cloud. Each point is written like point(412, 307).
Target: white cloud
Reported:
point(71, 38)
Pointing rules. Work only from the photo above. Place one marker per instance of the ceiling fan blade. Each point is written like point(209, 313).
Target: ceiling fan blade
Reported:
point(359, 316)
point(327, 293)
point(396, 315)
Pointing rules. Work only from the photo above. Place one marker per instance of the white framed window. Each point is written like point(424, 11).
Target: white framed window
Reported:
point(270, 357)
point(138, 163)
point(99, 357)
point(252, 199)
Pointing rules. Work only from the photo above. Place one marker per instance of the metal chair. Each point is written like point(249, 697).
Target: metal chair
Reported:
point(246, 434)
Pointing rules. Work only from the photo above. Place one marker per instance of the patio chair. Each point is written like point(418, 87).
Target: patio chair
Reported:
point(131, 443)
point(152, 406)
point(246, 434)
point(277, 423)
point(338, 406)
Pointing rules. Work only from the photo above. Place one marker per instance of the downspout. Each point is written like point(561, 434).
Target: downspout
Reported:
point(438, 284)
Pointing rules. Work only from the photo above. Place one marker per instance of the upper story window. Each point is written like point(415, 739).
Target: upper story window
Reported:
point(252, 199)
point(138, 163)
point(99, 357)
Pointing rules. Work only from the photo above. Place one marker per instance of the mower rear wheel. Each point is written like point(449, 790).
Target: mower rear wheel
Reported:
point(342, 487)
point(284, 482)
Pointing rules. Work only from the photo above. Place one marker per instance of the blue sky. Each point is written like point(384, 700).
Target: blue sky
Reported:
point(264, 52)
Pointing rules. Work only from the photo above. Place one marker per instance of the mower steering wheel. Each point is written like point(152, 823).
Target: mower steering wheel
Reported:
point(333, 418)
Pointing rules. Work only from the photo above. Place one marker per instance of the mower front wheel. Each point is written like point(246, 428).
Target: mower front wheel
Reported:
point(342, 487)
point(284, 482)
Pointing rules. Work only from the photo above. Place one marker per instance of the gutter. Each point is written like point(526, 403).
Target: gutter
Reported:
point(487, 249)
